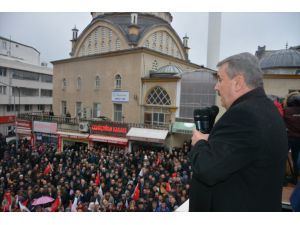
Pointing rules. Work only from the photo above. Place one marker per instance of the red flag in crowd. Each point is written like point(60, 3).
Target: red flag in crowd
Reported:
point(8, 202)
point(55, 204)
point(136, 193)
point(158, 160)
point(47, 169)
point(25, 202)
point(168, 187)
point(279, 107)
point(97, 181)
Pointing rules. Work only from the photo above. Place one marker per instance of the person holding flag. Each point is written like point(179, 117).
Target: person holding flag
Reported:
point(48, 169)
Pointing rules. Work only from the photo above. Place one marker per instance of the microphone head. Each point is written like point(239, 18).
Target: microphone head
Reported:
point(214, 110)
point(197, 112)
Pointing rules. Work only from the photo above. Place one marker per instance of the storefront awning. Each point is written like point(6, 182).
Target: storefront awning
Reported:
point(182, 128)
point(147, 135)
point(72, 135)
point(108, 139)
point(23, 131)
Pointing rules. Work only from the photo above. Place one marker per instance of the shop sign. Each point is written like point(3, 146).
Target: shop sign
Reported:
point(109, 129)
point(7, 119)
point(44, 127)
point(24, 124)
point(120, 96)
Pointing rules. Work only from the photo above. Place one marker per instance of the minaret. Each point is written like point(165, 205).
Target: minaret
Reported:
point(74, 39)
point(185, 45)
point(213, 39)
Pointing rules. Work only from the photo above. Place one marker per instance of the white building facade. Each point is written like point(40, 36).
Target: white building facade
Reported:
point(25, 85)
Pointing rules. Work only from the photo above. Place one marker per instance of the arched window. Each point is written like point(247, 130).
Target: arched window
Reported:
point(146, 44)
point(78, 83)
point(118, 81)
point(97, 82)
point(64, 83)
point(118, 44)
point(158, 96)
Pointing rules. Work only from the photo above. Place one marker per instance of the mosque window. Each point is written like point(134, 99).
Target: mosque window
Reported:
point(146, 45)
point(110, 35)
point(79, 83)
point(158, 96)
point(97, 82)
point(154, 38)
point(118, 81)
point(118, 44)
point(64, 83)
point(103, 46)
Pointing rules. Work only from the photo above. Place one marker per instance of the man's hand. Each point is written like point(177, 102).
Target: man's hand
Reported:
point(197, 136)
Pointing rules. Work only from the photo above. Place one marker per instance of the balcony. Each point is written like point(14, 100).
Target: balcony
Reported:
point(72, 124)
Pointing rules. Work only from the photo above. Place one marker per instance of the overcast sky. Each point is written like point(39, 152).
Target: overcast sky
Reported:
point(50, 33)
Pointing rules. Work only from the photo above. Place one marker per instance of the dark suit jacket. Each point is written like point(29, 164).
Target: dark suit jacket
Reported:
point(242, 165)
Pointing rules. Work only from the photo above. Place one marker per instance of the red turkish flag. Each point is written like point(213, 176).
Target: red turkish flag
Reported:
point(48, 169)
point(136, 193)
point(97, 180)
point(168, 187)
point(55, 204)
point(158, 161)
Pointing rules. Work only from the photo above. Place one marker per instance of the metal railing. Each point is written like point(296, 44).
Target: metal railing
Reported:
point(45, 117)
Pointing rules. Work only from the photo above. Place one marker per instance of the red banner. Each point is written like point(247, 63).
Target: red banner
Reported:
point(109, 129)
point(7, 119)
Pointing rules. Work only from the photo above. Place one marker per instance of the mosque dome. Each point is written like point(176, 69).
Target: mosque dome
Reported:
point(287, 58)
point(169, 69)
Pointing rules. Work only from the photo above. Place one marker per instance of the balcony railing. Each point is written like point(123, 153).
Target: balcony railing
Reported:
point(39, 116)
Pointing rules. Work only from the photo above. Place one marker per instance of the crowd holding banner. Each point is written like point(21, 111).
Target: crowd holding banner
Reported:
point(95, 180)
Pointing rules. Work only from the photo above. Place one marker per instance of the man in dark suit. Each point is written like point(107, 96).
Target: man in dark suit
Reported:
point(240, 165)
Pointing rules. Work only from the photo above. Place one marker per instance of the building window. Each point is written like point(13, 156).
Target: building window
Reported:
point(9, 108)
point(155, 118)
point(118, 81)
point(96, 110)
point(146, 45)
point(158, 96)
point(63, 108)
point(4, 44)
point(46, 78)
point(97, 82)
point(118, 112)
point(64, 83)
point(158, 118)
point(46, 93)
point(25, 92)
point(118, 44)
point(28, 107)
point(25, 75)
point(2, 90)
point(40, 107)
point(2, 71)
point(78, 83)
point(78, 109)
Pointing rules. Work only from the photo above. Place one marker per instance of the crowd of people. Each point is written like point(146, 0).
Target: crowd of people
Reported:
point(97, 180)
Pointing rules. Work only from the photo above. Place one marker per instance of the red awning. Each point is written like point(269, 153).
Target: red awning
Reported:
point(108, 139)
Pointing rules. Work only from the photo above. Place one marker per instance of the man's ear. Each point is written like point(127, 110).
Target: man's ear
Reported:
point(239, 82)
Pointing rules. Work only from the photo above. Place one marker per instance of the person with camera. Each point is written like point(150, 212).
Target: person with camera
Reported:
point(240, 164)
point(292, 121)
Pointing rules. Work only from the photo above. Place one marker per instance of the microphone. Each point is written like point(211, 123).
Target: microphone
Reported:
point(204, 118)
